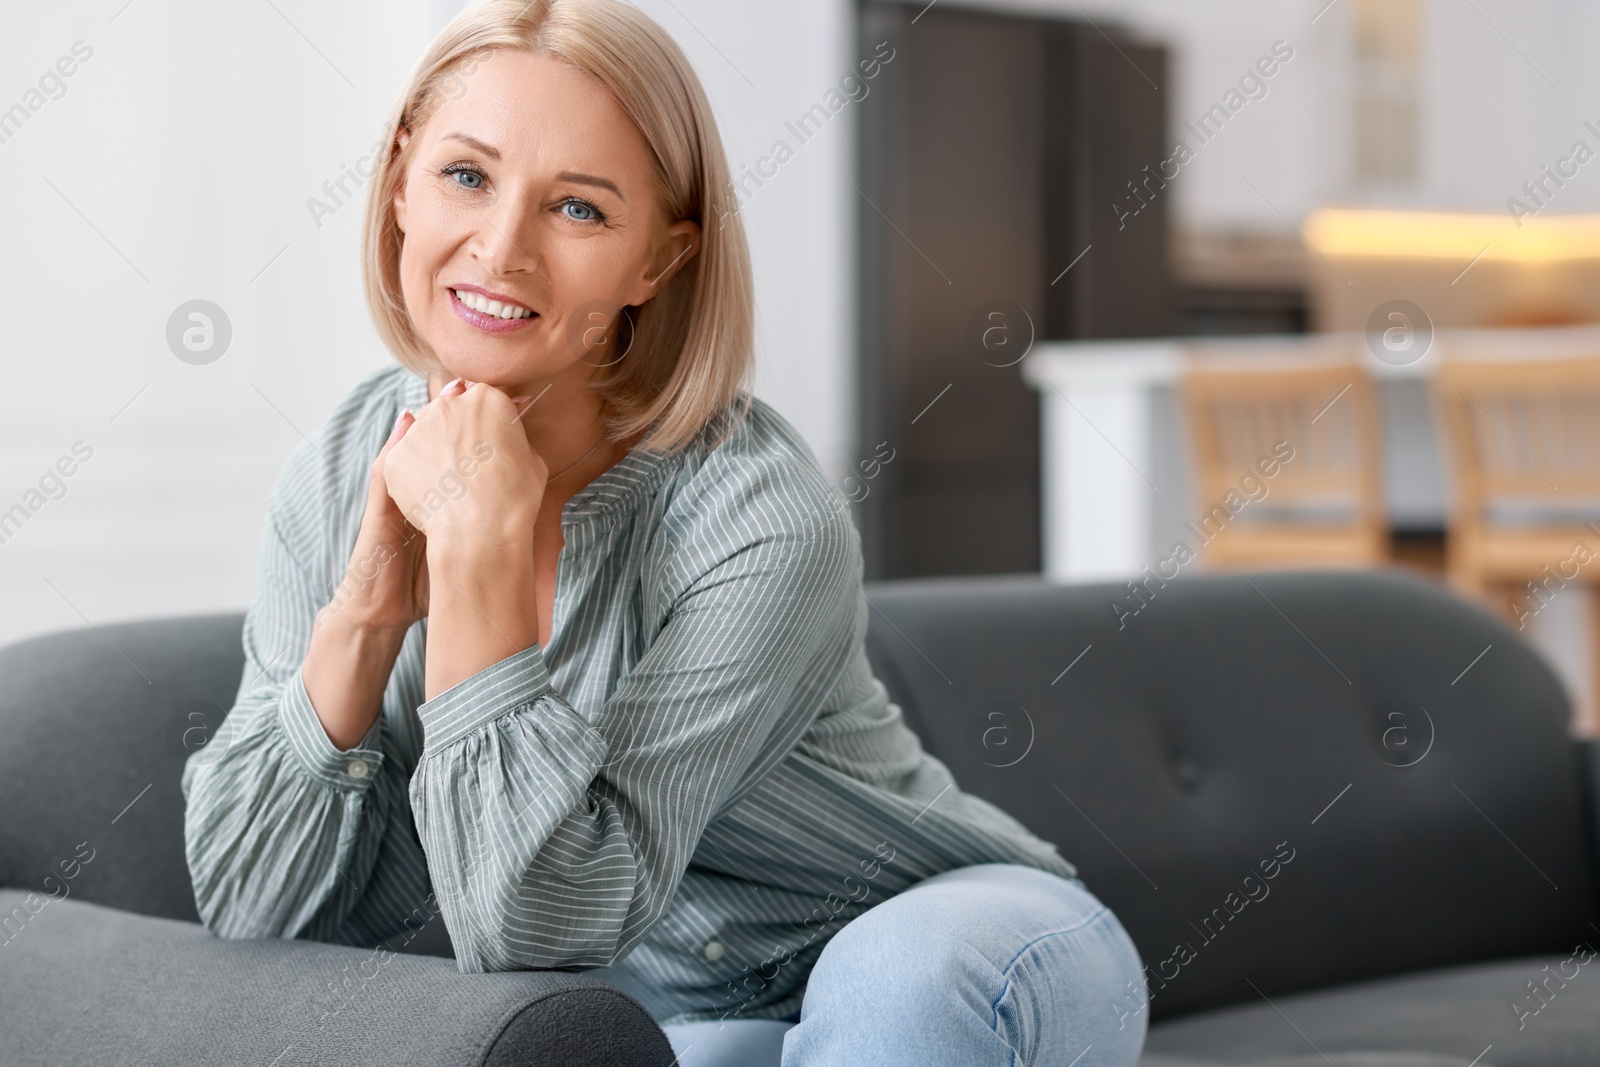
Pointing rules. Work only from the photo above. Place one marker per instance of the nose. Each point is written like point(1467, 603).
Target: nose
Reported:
point(507, 238)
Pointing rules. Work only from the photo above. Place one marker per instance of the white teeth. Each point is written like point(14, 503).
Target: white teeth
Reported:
point(491, 307)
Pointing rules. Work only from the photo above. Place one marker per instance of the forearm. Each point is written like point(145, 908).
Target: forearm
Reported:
point(481, 608)
point(346, 670)
point(531, 866)
point(273, 779)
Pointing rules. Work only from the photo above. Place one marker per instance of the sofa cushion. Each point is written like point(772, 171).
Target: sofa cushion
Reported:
point(1487, 1013)
point(1277, 781)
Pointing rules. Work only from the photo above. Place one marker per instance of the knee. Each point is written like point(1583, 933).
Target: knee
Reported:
point(1011, 949)
point(1089, 974)
point(953, 938)
point(906, 962)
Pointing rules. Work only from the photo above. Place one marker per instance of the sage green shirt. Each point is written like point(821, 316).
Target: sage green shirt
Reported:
point(695, 784)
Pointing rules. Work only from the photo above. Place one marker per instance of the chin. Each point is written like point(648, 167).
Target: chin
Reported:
point(504, 371)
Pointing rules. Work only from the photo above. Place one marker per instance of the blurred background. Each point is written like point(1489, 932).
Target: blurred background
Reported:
point(1118, 289)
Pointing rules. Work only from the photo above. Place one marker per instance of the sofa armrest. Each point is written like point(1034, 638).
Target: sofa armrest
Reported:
point(83, 983)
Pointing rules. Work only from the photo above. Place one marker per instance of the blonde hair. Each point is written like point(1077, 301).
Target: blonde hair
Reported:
point(692, 344)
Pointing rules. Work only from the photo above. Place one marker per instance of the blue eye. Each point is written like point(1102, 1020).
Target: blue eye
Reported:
point(593, 213)
point(466, 175)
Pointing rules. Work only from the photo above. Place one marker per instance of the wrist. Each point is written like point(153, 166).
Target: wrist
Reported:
point(344, 625)
point(481, 607)
point(465, 549)
point(345, 672)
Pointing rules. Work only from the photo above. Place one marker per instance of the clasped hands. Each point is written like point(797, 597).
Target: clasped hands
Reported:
point(457, 477)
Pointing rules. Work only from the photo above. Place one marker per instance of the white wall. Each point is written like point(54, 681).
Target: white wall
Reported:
point(184, 150)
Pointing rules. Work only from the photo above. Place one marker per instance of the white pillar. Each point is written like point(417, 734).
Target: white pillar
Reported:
point(1097, 462)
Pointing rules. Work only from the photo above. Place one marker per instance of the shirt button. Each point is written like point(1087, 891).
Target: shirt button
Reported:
point(714, 951)
point(357, 768)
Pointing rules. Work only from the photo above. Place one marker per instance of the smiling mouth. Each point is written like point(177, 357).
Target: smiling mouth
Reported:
point(482, 304)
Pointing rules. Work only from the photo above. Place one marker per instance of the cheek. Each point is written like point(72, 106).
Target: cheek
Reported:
point(430, 234)
point(424, 218)
point(595, 271)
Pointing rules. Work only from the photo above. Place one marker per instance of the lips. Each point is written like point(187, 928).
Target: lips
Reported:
point(481, 309)
point(491, 303)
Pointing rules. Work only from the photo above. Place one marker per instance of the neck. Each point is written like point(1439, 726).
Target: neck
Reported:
point(563, 425)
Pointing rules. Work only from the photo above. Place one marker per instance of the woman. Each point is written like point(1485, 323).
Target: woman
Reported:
point(579, 663)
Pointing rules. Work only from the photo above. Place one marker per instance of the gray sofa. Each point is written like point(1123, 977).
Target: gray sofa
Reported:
point(1340, 814)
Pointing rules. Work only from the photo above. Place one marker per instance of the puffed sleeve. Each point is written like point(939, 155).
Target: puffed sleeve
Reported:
point(556, 841)
point(281, 828)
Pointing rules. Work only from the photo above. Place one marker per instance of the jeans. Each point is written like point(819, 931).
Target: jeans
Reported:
point(990, 964)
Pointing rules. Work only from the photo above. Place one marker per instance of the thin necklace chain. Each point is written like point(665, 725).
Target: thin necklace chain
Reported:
point(586, 455)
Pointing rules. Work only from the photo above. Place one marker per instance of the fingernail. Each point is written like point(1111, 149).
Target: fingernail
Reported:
point(398, 419)
point(520, 399)
point(449, 384)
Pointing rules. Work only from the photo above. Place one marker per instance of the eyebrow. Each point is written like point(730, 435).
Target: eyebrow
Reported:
point(565, 176)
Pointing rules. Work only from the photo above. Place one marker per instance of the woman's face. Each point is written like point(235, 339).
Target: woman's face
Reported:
point(530, 186)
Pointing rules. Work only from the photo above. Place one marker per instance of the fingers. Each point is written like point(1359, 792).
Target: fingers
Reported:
point(478, 394)
point(377, 487)
point(454, 387)
point(463, 386)
point(401, 423)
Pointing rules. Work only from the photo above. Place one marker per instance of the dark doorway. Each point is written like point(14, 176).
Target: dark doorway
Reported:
point(998, 162)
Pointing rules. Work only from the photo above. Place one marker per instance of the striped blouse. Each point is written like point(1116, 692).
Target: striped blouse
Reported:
point(694, 785)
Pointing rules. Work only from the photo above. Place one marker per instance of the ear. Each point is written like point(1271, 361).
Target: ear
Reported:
point(679, 243)
point(400, 193)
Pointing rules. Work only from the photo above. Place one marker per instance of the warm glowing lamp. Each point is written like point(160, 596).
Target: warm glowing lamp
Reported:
point(1464, 269)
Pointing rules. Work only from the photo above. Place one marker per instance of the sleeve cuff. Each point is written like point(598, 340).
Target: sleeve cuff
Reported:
point(355, 769)
point(514, 682)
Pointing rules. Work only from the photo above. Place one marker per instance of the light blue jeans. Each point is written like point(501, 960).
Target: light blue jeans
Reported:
point(986, 965)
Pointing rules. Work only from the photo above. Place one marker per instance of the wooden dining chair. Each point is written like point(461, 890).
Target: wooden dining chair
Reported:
point(1322, 507)
point(1523, 441)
